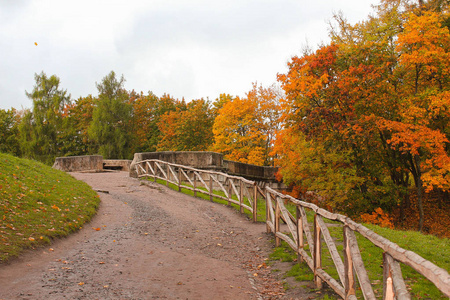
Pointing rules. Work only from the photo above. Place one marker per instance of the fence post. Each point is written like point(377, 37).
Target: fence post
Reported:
point(195, 184)
point(349, 283)
point(317, 252)
point(179, 179)
point(167, 174)
point(300, 242)
point(210, 187)
point(277, 222)
point(230, 191)
point(154, 171)
point(241, 196)
point(268, 211)
point(255, 202)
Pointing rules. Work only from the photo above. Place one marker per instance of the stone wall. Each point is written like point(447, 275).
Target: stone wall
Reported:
point(79, 163)
point(250, 171)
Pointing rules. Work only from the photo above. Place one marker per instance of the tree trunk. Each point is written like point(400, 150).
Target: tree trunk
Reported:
point(419, 186)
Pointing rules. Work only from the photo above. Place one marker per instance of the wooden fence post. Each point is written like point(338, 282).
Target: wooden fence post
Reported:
point(167, 174)
point(277, 222)
point(210, 187)
point(317, 253)
point(195, 184)
point(230, 191)
point(179, 179)
point(255, 202)
point(268, 198)
point(300, 242)
point(154, 172)
point(349, 284)
point(241, 196)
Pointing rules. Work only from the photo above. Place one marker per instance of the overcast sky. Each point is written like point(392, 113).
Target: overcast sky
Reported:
point(192, 49)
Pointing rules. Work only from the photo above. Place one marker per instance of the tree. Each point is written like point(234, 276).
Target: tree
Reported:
point(40, 129)
point(9, 122)
point(76, 122)
point(187, 130)
point(244, 127)
point(111, 118)
point(377, 96)
point(147, 113)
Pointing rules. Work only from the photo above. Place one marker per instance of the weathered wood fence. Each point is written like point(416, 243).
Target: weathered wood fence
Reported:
point(304, 237)
point(214, 184)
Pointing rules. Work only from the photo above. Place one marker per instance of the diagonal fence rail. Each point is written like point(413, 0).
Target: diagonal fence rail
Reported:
point(304, 237)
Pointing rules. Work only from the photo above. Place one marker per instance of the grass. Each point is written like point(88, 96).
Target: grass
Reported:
point(38, 204)
point(432, 248)
point(261, 205)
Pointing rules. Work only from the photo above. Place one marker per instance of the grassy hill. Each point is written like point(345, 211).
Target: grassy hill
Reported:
point(38, 203)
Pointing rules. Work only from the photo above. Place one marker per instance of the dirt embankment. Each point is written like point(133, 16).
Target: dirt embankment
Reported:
point(149, 242)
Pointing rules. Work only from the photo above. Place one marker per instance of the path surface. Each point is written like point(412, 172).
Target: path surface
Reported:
point(149, 242)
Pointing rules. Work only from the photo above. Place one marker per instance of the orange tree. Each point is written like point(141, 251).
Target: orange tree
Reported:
point(353, 109)
point(187, 129)
point(244, 127)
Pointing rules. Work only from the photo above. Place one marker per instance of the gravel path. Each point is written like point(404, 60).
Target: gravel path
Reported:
point(149, 242)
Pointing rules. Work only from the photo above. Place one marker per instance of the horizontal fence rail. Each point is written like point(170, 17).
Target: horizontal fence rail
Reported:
point(300, 234)
point(232, 189)
point(304, 237)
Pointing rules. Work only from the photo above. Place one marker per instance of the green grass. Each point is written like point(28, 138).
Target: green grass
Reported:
point(261, 205)
point(38, 204)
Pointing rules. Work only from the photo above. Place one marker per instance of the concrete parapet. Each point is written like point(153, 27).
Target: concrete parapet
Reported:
point(249, 171)
point(79, 163)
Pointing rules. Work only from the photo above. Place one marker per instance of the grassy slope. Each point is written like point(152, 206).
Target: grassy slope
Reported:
point(38, 203)
point(432, 248)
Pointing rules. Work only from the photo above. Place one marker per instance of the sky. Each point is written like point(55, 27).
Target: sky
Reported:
point(189, 49)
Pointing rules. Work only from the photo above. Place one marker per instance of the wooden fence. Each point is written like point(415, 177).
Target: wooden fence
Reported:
point(304, 237)
point(214, 184)
point(301, 233)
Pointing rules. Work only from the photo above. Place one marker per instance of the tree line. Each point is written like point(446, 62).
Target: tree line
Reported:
point(118, 123)
point(363, 120)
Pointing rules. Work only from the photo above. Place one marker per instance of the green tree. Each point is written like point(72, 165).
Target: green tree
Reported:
point(41, 127)
point(111, 119)
point(9, 131)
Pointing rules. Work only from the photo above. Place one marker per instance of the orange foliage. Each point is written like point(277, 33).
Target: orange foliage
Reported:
point(378, 217)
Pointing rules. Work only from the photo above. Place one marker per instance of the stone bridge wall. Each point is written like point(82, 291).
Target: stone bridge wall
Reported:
point(79, 163)
point(208, 161)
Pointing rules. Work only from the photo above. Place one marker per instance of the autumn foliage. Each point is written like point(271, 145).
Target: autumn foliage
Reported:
point(362, 122)
point(367, 116)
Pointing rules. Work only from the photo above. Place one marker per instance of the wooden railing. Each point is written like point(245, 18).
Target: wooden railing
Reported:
point(214, 184)
point(299, 233)
point(304, 237)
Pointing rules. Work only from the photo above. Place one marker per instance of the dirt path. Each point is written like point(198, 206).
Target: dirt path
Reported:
point(149, 242)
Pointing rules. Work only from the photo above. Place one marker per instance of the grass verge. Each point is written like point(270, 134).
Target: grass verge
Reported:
point(38, 204)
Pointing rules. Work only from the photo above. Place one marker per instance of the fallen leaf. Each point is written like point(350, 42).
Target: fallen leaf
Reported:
point(81, 283)
point(31, 238)
point(97, 229)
